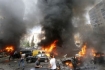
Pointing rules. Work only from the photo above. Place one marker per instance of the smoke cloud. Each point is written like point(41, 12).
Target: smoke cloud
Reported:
point(93, 37)
point(57, 25)
point(60, 18)
point(33, 15)
point(12, 27)
point(57, 21)
point(57, 17)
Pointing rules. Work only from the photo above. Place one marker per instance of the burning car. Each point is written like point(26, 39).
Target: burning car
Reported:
point(43, 58)
point(73, 62)
point(99, 58)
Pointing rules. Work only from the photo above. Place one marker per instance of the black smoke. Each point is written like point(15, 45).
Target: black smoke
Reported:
point(57, 24)
point(57, 21)
point(12, 27)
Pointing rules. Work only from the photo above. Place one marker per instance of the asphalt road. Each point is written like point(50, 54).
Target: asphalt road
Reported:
point(5, 64)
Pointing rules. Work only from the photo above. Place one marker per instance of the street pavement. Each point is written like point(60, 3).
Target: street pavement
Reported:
point(5, 64)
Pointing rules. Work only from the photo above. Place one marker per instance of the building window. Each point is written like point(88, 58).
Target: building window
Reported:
point(103, 13)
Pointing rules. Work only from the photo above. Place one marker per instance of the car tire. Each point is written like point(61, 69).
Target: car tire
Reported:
point(46, 61)
point(29, 61)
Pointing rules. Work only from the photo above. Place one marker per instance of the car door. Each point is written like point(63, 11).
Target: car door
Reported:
point(44, 58)
point(33, 58)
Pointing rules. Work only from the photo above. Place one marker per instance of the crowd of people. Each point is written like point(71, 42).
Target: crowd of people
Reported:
point(52, 63)
point(21, 63)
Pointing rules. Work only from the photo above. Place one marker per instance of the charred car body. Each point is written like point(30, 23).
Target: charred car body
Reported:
point(99, 58)
point(71, 63)
point(78, 62)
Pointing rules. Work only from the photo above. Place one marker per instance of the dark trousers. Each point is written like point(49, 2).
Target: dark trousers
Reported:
point(10, 57)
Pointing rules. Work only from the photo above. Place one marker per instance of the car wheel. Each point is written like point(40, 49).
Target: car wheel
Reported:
point(29, 61)
point(45, 61)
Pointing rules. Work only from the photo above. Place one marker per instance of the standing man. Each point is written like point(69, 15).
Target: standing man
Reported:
point(22, 60)
point(52, 65)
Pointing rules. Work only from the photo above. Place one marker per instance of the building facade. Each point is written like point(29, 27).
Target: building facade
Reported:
point(97, 20)
point(97, 15)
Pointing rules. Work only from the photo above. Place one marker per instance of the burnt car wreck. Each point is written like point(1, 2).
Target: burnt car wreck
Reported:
point(77, 63)
point(99, 58)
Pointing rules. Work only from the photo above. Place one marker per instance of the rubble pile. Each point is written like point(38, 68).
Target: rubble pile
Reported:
point(61, 65)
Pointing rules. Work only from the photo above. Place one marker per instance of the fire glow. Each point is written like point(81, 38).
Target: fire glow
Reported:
point(93, 52)
point(9, 49)
point(50, 48)
point(69, 64)
point(83, 51)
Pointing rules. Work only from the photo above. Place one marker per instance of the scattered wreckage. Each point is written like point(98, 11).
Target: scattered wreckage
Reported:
point(77, 63)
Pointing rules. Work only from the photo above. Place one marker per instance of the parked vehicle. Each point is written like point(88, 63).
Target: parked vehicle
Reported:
point(27, 52)
point(43, 58)
point(18, 55)
point(35, 52)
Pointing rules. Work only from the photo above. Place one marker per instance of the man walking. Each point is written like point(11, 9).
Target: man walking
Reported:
point(52, 65)
point(22, 60)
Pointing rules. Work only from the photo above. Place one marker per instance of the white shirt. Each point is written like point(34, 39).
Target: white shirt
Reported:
point(22, 56)
point(53, 63)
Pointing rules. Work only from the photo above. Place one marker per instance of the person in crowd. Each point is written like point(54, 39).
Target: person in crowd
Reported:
point(37, 63)
point(14, 55)
point(10, 54)
point(52, 65)
point(22, 61)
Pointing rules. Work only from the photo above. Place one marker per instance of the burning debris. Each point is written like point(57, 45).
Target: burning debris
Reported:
point(99, 58)
point(84, 60)
point(69, 64)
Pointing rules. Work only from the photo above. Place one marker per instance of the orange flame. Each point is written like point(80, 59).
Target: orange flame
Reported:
point(69, 64)
point(93, 52)
point(83, 51)
point(50, 48)
point(9, 49)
